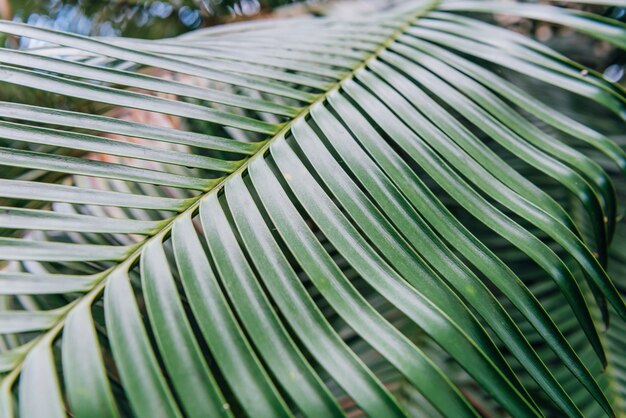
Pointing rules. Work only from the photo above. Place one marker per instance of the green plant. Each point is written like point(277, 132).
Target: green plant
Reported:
point(386, 213)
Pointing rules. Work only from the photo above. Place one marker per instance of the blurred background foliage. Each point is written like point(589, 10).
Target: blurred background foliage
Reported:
point(135, 18)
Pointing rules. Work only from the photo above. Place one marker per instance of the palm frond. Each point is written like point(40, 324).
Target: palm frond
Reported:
point(328, 213)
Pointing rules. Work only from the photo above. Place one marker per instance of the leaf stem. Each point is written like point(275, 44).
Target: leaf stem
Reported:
point(99, 285)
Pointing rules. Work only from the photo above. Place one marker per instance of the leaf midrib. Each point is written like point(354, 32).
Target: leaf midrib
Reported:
point(99, 285)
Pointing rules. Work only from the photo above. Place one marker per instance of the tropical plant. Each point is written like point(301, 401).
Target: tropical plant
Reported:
point(404, 213)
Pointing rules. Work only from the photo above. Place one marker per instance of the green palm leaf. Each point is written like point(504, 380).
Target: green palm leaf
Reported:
point(339, 216)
